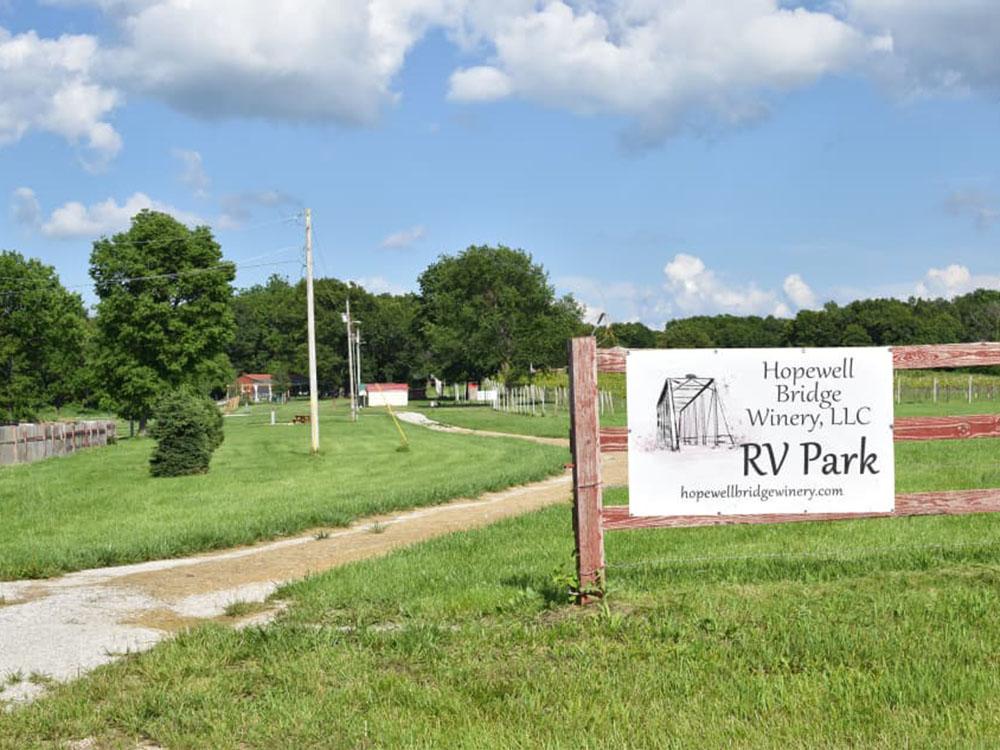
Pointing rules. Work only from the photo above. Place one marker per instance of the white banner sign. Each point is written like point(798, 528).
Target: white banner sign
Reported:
point(760, 431)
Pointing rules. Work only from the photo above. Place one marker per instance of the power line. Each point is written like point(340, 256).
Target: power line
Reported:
point(236, 266)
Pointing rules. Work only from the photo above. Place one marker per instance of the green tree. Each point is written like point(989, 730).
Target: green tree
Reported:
point(492, 310)
point(855, 335)
point(817, 327)
point(726, 331)
point(270, 328)
point(43, 336)
point(979, 312)
point(164, 316)
point(633, 335)
point(686, 333)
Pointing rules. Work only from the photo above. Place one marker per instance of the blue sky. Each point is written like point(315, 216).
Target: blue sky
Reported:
point(661, 159)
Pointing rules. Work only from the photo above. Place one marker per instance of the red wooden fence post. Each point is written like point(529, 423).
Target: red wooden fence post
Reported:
point(585, 444)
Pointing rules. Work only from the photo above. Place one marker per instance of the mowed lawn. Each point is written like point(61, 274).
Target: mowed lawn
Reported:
point(947, 408)
point(553, 424)
point(101, 506)
point(868, 633)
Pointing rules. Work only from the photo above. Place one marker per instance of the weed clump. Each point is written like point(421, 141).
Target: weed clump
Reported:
point(188, 429)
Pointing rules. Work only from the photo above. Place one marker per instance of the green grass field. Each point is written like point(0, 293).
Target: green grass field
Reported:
point(869, 633)
point(101, 506)
point(947, 408)
point(554, 425)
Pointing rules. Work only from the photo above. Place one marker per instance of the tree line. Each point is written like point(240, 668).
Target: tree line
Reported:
point(168, 317)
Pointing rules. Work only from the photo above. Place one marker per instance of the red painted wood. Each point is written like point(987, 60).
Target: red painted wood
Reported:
point(585, 446)
point(611, 360)
point(947, 428)
point(945, 355)
point(960, 502)
point(614, 439)
point(903, 357)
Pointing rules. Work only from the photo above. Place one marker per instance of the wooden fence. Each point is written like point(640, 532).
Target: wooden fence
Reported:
point(24, 443)
point(588, 440)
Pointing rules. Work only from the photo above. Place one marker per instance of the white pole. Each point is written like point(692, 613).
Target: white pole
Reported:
point(311, 323)
point(350, 362)
point(357, 358)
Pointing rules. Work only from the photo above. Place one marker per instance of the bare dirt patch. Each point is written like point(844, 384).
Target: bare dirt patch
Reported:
point(414, 417)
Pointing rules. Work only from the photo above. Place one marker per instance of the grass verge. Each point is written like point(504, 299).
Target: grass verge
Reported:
point(101, 506)
point(868, 633)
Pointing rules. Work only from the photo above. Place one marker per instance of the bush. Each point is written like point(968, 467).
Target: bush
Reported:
point(187, 428)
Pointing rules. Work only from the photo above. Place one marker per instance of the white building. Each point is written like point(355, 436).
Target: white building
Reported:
point(386, 394)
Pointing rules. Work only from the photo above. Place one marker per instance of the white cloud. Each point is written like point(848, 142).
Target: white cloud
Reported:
point(937, 45)
point(592, 315)
point(954, 280)
point(74, 220)
point(237, 208)
point(479, 83)
point(984, 209)
point(621, 301)
point(382, 285)
point(404, 237)
point(697, 290)
point(667, 64)
point(50, 85)
point(192, 171)
point(293, 61)
point(664, 65)
point(24, 207)
point(799, 292)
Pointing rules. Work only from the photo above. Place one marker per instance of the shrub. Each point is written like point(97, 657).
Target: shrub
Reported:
point(187, 428)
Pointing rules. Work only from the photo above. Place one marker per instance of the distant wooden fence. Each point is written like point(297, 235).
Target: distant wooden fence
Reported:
point(24, 443)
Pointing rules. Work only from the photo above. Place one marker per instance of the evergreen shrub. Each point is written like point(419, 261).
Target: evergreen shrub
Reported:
point(187, 429)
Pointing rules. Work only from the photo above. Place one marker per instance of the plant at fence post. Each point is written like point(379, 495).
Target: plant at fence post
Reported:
point(188, 429)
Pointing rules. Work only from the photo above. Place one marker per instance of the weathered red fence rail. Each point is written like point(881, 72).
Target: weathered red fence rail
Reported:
point(952, 503)
point(903, 357)
point(588, 440)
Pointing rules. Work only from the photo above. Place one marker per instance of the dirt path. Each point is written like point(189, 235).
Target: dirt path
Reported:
point(61, 627)
point(414, 417)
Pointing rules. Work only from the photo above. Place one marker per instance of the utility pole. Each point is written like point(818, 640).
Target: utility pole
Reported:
point(357, 356)
point(311, 323)
point(350, 361)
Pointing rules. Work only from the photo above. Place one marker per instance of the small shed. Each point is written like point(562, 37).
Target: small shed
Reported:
point(387, 394)
point(256, 387)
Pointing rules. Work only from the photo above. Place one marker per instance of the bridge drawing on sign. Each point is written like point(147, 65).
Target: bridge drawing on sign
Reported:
point(690, 412)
